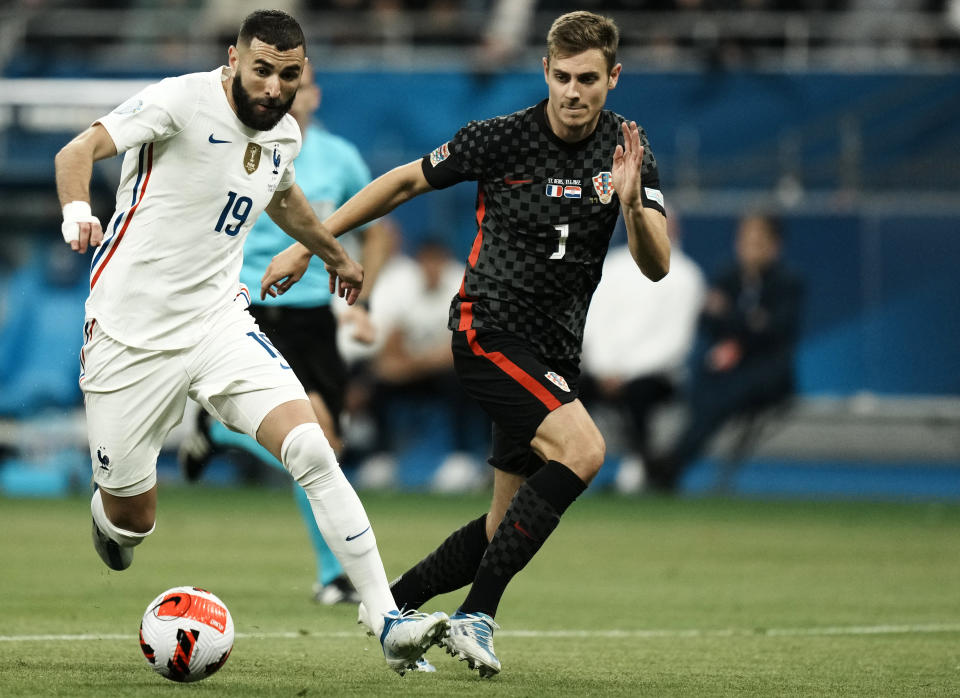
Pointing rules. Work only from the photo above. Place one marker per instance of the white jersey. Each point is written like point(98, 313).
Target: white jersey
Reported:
point(193, 182)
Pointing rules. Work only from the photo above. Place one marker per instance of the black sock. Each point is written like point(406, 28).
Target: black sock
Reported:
point(451, 566)
point(531, 517)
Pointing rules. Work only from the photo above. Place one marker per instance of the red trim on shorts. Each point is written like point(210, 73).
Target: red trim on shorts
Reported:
point(126, 223)
point(511, 369)
point(466, 316)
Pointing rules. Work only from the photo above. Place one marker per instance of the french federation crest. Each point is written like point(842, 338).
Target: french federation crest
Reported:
point(603, 185)
point(557, 380)
point(251, 158)
point(276, 159)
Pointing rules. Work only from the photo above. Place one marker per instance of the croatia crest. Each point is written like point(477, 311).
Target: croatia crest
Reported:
point(557, 380)
point(603, 184)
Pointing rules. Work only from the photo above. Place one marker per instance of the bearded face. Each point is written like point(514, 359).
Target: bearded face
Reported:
point(260, 114)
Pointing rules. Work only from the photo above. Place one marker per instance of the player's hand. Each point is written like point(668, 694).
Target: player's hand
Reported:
point(285, 269)
point(346, 279)
point(80, 228)
point(627, 159)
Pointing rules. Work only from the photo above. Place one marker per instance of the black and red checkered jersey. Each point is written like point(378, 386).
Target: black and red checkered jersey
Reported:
point(546, 210)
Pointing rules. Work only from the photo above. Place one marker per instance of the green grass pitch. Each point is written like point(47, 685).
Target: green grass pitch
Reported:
point(629, 597)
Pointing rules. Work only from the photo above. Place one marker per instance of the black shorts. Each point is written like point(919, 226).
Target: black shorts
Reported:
point(516, 386)
point(307, 338)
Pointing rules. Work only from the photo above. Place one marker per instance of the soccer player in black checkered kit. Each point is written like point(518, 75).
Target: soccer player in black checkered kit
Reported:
point(552, 180)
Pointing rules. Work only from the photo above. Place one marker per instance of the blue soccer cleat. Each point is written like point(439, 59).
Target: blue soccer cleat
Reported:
point(407, 636)
point(471, 639)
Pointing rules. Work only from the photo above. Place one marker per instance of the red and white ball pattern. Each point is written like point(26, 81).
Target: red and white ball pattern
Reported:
point(186, 634)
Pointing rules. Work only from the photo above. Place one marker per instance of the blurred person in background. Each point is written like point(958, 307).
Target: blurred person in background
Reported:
point(206, 154)
point(301, 325)
point(638, 364)
point(413, 369)
point(750, 326)
point(553, 180)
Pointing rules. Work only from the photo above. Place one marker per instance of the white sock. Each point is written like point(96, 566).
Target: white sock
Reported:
point(340, 516)
point(122, 537)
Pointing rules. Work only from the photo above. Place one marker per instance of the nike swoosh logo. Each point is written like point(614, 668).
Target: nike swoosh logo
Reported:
point(511, 182)
point(359, 534)
point(516, 525)
point(216, 140)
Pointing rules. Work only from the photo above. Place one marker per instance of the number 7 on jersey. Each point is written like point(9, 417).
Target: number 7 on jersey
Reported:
point(564, 230)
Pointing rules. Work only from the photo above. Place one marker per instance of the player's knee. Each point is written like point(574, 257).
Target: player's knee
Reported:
point(307, 454)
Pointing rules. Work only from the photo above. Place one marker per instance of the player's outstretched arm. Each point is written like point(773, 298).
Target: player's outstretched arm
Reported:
point(379, 198)
point(376, 199)
point(74, 167)
point(646, 227)
point(290, 210)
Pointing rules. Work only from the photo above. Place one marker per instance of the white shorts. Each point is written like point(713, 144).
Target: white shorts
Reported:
point(134, 397)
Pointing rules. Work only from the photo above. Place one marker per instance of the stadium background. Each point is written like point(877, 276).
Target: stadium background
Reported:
point(842, 116)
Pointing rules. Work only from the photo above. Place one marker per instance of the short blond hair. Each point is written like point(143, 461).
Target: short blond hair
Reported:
point(576, 32)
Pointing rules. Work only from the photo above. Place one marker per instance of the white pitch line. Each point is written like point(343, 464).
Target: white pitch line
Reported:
point(908, 629)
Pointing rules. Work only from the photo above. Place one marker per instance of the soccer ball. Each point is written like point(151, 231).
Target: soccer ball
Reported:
point(186, 634)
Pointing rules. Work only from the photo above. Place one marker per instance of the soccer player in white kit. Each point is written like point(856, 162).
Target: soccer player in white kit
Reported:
point(205, 154)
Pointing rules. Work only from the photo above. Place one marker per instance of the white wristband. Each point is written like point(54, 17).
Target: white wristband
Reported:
point(74, 213)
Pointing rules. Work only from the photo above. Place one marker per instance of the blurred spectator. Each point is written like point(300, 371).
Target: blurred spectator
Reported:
point(221, 15)
point(750, 325)
point(505, 35)
point(637, 340)
point(413, 369)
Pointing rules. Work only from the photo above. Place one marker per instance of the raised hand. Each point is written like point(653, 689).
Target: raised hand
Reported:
point(627, 160)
